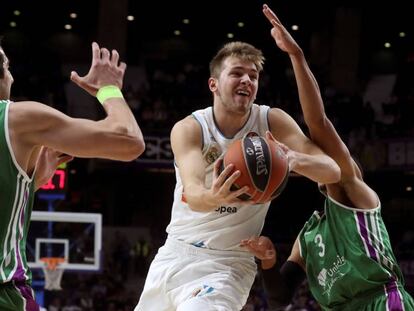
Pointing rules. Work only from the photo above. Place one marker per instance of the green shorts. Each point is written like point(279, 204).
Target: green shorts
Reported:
point(394, 300)
point(17, 297)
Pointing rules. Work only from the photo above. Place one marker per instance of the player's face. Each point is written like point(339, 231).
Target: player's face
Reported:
point(7, 80)
point(237, 85)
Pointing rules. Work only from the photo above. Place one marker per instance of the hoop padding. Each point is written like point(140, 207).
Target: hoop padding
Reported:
point(53, 272)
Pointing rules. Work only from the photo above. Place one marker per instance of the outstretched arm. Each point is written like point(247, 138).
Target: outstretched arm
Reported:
point(116, 137)
point(280, 282)
point(322, 131)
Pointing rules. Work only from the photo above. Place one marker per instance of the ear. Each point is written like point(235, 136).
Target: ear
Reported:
point(212, 84)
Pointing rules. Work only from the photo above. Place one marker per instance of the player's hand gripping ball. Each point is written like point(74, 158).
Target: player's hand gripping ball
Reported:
point(263, 165)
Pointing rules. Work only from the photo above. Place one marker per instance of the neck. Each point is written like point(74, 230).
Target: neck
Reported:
point(229, 123)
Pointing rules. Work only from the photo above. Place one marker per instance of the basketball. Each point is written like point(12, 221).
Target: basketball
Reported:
point(263, 166)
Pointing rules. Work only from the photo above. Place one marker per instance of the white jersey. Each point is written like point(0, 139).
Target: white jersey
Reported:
point(225, 227)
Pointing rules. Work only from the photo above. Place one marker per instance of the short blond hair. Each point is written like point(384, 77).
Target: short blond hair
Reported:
point(241, 50)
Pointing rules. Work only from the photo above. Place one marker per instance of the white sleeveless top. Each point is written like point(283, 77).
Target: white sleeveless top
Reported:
point(225, 227)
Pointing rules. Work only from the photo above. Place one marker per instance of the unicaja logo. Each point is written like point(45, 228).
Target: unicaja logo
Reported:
point(322, 277)
point(329, 276)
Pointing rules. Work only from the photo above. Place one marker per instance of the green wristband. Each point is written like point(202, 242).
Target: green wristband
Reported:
point(108, 91)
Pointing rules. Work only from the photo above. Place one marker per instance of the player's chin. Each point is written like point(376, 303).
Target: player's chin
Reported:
point(243, 107)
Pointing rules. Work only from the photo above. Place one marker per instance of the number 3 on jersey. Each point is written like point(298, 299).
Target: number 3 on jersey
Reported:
point(319, 243)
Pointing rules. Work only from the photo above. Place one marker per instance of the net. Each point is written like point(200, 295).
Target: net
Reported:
point(53, 272)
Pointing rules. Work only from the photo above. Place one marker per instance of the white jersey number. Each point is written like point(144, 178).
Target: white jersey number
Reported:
point(319, 242)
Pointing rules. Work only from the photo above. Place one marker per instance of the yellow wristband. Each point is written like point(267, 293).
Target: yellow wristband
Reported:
point(108, 91)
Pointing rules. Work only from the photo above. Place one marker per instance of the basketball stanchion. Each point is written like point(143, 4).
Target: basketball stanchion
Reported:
point(53, 272)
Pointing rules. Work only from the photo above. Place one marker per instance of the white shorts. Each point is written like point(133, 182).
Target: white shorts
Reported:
point(184, 277)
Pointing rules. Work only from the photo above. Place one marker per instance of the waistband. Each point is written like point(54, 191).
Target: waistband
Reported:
point(189, 249)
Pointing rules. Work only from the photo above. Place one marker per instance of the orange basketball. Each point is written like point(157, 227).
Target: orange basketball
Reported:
point(263, 166)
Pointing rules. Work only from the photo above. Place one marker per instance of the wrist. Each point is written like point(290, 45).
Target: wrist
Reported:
point(211, 200)
point(107, 92)
point(268, 263)
point(297, 55)
point(293, 160)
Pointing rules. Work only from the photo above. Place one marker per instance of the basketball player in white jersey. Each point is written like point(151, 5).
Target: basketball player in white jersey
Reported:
point(201, 266)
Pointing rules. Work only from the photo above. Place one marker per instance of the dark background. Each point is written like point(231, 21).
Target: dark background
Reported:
point(343, 41)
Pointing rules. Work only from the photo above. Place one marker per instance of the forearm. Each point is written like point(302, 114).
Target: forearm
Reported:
point(199, 198)
point(281, 283)
point(121, 121)
point(319, 168)
point(122, 117)
point(308, 90)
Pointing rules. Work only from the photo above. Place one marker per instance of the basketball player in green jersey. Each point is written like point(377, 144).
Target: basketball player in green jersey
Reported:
point(344, 251)
point(34, 139)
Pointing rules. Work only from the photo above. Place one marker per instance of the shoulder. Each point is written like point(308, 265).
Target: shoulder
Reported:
point(188, 128)
point(281, 121)
point(187, 124)
point(278, 115)
point(284, 128)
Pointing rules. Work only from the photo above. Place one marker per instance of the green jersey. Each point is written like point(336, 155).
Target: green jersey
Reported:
point(349, 260)
point(16, 200)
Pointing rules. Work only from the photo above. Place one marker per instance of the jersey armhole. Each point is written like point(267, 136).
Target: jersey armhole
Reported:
point(202, 130)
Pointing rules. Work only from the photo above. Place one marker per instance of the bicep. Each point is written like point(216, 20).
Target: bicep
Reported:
point(186, 145)
point(40, 125)
point(285, 129)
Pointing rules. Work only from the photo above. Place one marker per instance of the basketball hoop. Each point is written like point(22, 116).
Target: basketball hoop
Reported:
point(53, 272)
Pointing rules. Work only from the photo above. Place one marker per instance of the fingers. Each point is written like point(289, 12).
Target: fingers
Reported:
point(244, 242)
point(248, 202)
point(229, 181)
point(105, 55)
point(261, 247)
point(234, 195)
point(115, 58)
point(122, 66)
point(217, 166)
point(64, 159)
point(271, 16)
point(75, 77)
point(96, 53)
point(270, 253)
point(269, 135)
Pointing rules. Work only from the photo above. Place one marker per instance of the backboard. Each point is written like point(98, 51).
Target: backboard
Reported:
point(76, 237)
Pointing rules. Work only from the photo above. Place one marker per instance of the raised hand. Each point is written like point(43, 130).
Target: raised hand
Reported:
point(282, 37)
point(105, 70)
point(263, 248)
